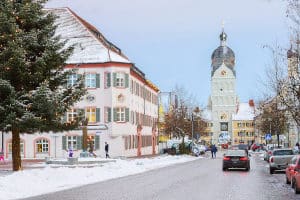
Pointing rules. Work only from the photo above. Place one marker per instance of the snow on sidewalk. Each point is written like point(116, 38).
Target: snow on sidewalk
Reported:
point(34, 182)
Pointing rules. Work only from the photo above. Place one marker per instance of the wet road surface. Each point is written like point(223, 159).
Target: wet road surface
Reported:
point(199, 179)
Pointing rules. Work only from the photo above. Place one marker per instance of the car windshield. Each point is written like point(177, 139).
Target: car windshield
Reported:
point(235, 153)
point(282, 152)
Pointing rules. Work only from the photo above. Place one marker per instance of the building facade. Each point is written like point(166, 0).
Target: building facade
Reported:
point(121, 104)
point(223, 99)
point(224, 111)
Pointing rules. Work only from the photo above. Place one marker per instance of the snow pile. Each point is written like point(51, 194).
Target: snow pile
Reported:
point(40, 181)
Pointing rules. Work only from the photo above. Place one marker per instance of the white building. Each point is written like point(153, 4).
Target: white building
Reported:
point(121, 104)
point(223, 101)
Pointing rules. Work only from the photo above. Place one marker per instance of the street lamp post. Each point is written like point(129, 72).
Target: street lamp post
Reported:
point(288, 132)
point(192, 127)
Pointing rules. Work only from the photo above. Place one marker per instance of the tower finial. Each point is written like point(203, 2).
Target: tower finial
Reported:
point(223, 35)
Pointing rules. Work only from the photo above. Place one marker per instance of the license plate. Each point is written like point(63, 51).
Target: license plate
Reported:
point(235, 159)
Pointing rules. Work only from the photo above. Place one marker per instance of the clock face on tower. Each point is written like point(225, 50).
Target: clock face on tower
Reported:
point(223, 73)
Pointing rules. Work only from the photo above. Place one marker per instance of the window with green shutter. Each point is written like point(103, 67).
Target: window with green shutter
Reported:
point(126, 80)
point(97, 114)
point(115, 79)
point(108, 80)
point(97, 80)
point(64, 142)
point(108, 114)
point(97, 142)
point(115, 115)
point(79, 142)
point(127, 114)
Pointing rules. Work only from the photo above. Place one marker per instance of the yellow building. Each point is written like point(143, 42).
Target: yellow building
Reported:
point(243, 130)
point(206, 136)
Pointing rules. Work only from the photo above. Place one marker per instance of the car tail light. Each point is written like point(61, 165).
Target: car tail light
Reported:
point(271, 159)
point(270, 152)
point(226, 158)
point(243, 158)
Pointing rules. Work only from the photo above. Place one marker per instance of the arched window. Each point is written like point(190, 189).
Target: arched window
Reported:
point(42, 146)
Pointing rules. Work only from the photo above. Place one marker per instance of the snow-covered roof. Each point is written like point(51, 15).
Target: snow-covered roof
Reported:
point(206, 115)
point(245, 112)
point(90, 46)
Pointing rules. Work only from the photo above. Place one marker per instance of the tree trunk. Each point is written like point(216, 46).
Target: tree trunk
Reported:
point(84, 138)
point(16, 156)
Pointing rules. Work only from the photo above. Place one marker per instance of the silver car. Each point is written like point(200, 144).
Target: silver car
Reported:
point(280, 159)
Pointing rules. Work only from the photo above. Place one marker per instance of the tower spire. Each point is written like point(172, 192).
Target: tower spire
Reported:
point(223, 35)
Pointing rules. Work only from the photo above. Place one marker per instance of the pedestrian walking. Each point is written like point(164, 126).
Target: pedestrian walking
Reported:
point(70, 152)
point(213, 151)
point(106, 150)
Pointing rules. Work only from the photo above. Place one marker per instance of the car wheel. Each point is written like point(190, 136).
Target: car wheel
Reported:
point(297, 190)
point(287, 180)
point(271, 170)
point(224, 169)
point(247, 169)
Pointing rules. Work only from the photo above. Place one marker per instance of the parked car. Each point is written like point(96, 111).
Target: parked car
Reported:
point(236, 159)
point(224, 146)
point(198, 149)
point(256, 146)
point(268, 153)
point(280, 159)
point(290, 170)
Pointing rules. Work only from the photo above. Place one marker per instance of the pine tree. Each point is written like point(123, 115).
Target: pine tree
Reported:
point(34, 95)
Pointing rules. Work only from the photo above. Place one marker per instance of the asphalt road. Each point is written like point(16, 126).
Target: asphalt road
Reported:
point(200, 179)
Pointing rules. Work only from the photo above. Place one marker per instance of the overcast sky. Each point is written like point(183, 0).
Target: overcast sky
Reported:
point(171, 41)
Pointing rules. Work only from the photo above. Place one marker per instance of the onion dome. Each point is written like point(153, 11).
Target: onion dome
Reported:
point(223, 54)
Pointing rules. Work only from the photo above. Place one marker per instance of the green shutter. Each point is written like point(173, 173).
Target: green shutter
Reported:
point(109, 114)
point(127, 114)
point(126, 80)
point(97, 114)
point(97, 80)
point(97, 142)
point(79, 142)
point(108, 80)
point(115, 79)
point(64, 142)
point(115, 115)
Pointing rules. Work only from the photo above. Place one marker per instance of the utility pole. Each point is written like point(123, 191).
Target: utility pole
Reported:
point(192, 126)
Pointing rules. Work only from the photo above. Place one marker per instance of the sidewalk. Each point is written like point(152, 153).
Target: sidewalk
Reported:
point(26, 164)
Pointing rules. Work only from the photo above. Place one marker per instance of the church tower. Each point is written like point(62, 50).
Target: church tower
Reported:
point(223, 99)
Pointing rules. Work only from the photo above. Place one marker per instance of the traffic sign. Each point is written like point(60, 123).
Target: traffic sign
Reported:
point(268, 136)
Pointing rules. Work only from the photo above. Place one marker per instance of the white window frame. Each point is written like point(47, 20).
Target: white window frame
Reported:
point(72, 115)
point(90, 80)
point(91, 114)
point(21, 147)
point(71, 142)
point(44, 146)
point(120, 79)
point(121, 114)
point(72, 79)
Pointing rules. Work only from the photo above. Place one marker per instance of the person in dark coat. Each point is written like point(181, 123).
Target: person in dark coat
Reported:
point(106, 150)
point(213, 151)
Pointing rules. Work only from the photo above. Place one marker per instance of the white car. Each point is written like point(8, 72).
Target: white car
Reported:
point(198, 149)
